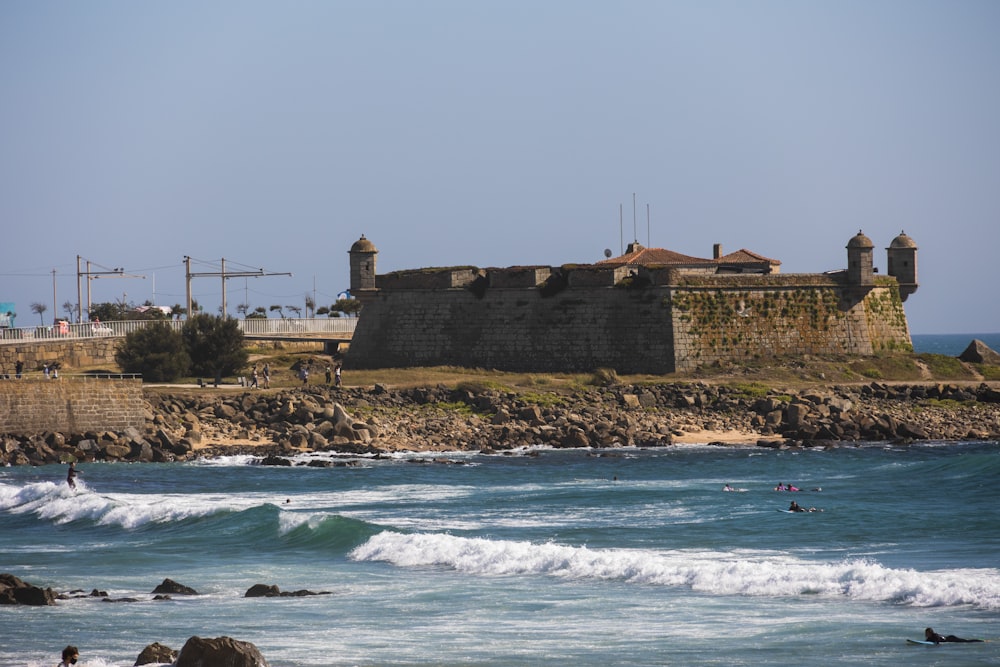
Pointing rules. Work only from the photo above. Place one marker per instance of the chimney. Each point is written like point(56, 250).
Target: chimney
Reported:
point(716, 250)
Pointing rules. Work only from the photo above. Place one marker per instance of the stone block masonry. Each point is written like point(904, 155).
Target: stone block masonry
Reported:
point(646, 329)
point(86, 353)
point(70, 405)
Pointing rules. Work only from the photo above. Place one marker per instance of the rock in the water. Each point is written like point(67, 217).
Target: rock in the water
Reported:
point(15, 591)
point(219, 652)
point(155, 653)
point(262, 591)
point(170, 586)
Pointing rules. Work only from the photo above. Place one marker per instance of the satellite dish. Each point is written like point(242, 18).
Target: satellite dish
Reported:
point(607, 252)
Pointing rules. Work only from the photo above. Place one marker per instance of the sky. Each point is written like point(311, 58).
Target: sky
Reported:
point(491, 133)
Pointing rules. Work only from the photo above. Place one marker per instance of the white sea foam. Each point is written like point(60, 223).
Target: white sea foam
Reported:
point(751, 573)
point(61, 504)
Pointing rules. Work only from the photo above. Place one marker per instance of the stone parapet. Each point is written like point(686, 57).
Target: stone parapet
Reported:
point(85, 353)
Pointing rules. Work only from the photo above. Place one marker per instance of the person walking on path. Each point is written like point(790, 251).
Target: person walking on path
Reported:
point(267, 376)
point(336, 375)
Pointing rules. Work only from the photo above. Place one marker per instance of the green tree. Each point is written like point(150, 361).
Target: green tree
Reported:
point(345, 306)
point(109, 311)
point(215, 345)
point(156, 351)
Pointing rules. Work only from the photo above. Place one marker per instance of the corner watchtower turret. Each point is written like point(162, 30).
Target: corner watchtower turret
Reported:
point(902, 256)
point(362, 254)
point(860, 269)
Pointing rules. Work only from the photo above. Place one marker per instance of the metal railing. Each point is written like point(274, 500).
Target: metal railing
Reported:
point(252, 328)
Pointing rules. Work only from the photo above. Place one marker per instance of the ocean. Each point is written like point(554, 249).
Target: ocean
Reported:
point(544, 557)
point(951, 345)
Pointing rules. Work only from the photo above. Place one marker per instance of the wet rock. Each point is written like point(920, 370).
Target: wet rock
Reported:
point(155, 653)
point(13, 590)
point(170, 586)
point(219, 652)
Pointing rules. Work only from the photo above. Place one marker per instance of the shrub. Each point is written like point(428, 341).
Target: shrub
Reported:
point(215, 345)
point(157, 352)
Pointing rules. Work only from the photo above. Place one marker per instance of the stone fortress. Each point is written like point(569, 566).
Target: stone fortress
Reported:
point(650, 310)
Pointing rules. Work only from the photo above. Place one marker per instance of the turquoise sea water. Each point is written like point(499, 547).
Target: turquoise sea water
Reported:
point(621, 557)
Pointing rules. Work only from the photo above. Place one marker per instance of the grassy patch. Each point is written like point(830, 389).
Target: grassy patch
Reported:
point(990, 373)
point(943, 367)
point(542, 399)
point(751, 389)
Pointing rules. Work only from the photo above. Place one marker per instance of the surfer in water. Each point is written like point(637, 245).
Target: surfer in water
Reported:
point(795, 507)
point(71, 476)
point(931, 636)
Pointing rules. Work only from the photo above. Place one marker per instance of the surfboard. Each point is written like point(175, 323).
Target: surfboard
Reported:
point(920, 642)
point(802, 512)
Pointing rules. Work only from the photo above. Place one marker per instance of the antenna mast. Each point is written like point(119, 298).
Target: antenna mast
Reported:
point(635, 234)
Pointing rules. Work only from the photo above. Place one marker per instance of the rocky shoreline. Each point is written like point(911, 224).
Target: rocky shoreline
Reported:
point(382, 420)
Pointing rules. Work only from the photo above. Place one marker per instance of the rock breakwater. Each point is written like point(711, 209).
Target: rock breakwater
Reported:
point(380, 420)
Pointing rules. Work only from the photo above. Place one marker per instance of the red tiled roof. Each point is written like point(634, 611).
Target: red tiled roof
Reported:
point(652, 256)
point(744, 256)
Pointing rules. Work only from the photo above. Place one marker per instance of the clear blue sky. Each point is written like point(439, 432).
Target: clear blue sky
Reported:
point(493, 133)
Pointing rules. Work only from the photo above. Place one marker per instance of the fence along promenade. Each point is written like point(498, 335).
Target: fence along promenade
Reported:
point(341, 328)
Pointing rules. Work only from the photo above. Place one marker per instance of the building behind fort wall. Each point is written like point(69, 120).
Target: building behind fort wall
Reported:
point(70, 405)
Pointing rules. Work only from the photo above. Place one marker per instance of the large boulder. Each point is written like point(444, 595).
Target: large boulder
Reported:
point(346, 427)
point(171, 587)
point(219, 652)
point(15, 591)
point(262, 591)
point(156, 654)
point(979, 352)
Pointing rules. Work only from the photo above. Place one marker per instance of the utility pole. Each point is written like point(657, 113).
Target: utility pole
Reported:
point(94, 275)
point(55, 303)
point(225, 275)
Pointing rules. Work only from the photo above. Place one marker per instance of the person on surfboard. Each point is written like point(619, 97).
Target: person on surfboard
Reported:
point(795, 507)
point(931, 636)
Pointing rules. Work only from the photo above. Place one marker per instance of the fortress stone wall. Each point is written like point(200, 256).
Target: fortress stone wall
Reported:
point(70, 405)
point(632, 318)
